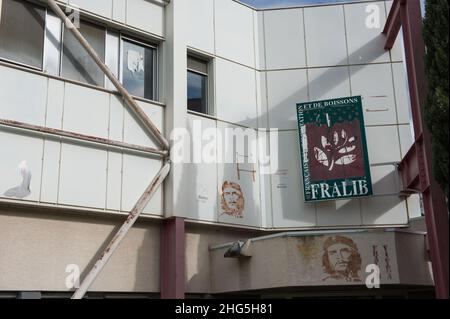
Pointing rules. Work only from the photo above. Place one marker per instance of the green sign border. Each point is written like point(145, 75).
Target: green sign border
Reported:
point(367, 175)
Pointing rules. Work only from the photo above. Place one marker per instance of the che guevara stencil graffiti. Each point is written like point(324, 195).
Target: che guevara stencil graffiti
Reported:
point(341, 260)
point(232, 199)
point(23, 189)
point(333, 149)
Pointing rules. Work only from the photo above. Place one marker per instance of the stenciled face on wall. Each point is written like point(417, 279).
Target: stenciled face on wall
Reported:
point(341, 259)
point(232, 199)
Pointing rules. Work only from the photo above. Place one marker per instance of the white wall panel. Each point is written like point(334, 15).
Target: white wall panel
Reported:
point(200, 28)
point(289, 209)
point(260, 43)
point(234, 32)
point(406, 138)
point(146, 16)
point(236, 93)
point(55, 102)
point(83, 176)
point(25, 151)
point(339, 213)
point(415, 208)
point(114, 181)
point(385, 180)
point(381, 210)
point(364, 26)
point(328, 83)
point(135, 133)
point(261, 96)
point(100, 7)
point(397, 49)
point(50, 171)
point(401, 93)
point(285, 90)
point(116, 114)
point(325, 36)
point(383, 144)
point(118, 10)
point(285, 39)
point(15, 105)
point(248, 182)
point(199, 177)
point(265, 184)
point(138, 172)
point(374, 84)
point(86, 111)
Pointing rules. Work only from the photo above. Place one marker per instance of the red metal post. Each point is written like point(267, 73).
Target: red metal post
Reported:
point(436, 211)
point(172, 258)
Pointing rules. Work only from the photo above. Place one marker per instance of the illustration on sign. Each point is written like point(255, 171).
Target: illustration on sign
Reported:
point(333, 149)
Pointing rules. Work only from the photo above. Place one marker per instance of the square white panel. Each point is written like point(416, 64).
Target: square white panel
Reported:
point(15, 105)
point(374, 84)
point(406, 138)
point(325, 36)
point(328, 83)
point(383, 144)
point(415, 208)
point(50, 171)
point(138, 173)
point(100, 7)
point(289, 209)
point(238, 183)
point(83, 176)
point(285, 39)
point(345, 212)
point(135, 132)
point(401, 93)
point(385, 180)
point(116, 114)
point(236, 93)
point(146, 16)
point(364, 26)
point(234, 32)
point(285, 90)
point(20, 153)
point(384, 210)
point(200, 27)
point(199, 176)
point(86, 111)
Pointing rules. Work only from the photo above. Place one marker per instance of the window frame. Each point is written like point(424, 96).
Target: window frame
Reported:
point(155, 79)
point(208, 78)
point(45, 9)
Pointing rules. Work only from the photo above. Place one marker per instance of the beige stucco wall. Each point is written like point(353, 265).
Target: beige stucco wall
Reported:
point(36, 246)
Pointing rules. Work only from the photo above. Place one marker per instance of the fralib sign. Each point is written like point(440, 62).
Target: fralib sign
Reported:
point(333, 149)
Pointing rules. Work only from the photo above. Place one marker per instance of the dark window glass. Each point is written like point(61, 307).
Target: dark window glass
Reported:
point(77, 63)
point(22, 32)
point(196, 89)
point(138, 69)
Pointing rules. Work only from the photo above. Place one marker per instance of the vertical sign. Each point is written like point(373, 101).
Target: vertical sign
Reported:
point(333, 149)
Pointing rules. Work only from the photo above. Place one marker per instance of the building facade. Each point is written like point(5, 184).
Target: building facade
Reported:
point(221, 80)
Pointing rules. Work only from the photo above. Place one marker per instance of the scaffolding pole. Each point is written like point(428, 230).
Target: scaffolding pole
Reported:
point(114, 243)
point(129, 101)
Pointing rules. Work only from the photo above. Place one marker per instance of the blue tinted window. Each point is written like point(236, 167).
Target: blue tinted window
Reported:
point(196, 89)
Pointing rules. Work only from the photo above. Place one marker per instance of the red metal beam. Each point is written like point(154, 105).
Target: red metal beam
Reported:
point(393, 24)
point(172, 258)
point(416, 167)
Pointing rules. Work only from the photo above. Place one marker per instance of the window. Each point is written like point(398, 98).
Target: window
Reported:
point(77, 64)
point(197, 84)
point(22, 32)
point(138, 69)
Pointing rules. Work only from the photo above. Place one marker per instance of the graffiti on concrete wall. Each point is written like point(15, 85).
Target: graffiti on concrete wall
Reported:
point(341, 260)
point(232, 199)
